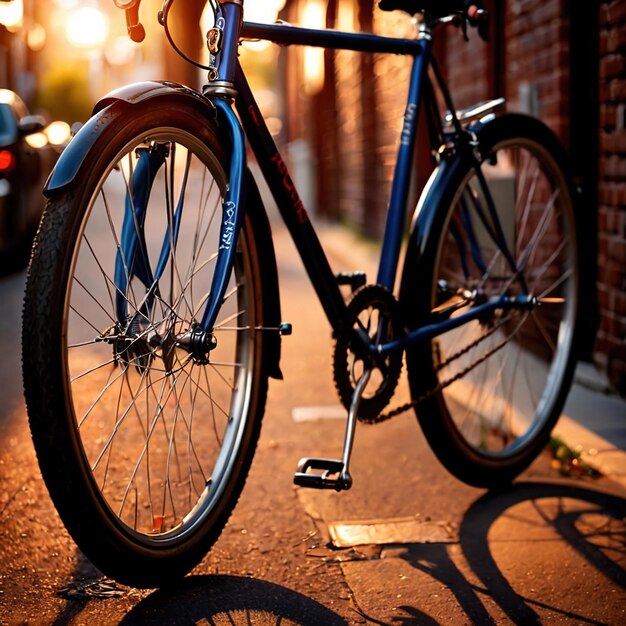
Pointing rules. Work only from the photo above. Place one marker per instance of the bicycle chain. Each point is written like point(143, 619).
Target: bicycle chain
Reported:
point(383, 417)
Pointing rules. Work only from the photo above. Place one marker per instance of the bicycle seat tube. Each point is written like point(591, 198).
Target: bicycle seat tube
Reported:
point(396, 215)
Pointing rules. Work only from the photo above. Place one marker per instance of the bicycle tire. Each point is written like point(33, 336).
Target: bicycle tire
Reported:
point(496, 416)
point(143, 446)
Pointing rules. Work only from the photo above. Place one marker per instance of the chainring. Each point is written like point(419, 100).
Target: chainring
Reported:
point(369, 306)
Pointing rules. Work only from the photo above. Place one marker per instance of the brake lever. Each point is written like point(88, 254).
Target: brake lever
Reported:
point(480, 19)
point(135, 28)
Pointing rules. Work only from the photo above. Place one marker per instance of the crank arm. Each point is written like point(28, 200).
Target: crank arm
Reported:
point(332, 473)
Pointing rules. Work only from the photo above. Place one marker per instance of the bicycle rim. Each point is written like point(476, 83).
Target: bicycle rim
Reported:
point(159, 429)
point(514, 362)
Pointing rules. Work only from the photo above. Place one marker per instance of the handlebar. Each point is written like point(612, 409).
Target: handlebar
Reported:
point(457, 12)
point(472, 12)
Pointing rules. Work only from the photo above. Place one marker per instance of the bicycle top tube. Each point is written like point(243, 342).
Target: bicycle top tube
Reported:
point(287, 34)
point(230, 27)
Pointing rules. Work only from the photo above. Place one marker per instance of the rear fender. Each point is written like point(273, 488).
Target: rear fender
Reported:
point(426, 217)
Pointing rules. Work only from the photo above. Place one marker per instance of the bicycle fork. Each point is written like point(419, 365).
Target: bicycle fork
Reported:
point(132, 259)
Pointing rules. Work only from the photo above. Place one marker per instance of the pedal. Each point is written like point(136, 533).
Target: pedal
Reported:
point(324, 474)
point(354, 279)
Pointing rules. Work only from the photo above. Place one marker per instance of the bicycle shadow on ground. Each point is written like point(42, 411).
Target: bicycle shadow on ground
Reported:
point(218, 599)
point(591, 522)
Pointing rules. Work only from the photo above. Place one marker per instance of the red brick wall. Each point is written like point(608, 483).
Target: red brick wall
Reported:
point(392, 88)
point(610, 352)
point(528, 53)
point(350, 136)
point(466, 65)
point(537, 54)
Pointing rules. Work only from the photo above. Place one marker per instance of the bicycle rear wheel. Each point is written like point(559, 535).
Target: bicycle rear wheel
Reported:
point(502, 379)
point(144, 437)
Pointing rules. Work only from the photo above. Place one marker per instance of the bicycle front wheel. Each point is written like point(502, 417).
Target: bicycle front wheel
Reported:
point(144, 426)
point(499, 381)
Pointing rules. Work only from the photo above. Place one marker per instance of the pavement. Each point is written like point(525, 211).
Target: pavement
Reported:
point(593, 423)
point(410, 543)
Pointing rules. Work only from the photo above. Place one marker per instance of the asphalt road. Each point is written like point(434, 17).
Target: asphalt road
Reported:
point(547, 550)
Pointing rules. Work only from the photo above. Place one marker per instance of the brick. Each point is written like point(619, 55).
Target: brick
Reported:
point(617, 250)
point(604, 193)
point(611, 66)
point(613, 142)
point(604, 42)
point(619, 303)
point(602, 219)
point(614, 12)
point(605, 15)
point(612, 193)
point(606, 326)
point(603, 248)
point(616, 38)
point(613, 167)
point(608, 116)
point(617, 89)
point(613, 221)
point(615, 276)
point(621, 227)
point(603, 297)
point(603, 92)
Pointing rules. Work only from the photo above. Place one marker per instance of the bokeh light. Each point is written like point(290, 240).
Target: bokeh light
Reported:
point(86, 27)
point(36, 37)
point(58, 133)
point(12, 14)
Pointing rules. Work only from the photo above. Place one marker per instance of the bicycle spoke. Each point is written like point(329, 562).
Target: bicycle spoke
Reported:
point(162, 400)
point(211, 399)
point(213, 419)
point(528, 196)
point(108, 384)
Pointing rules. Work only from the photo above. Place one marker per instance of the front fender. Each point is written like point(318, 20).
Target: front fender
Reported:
point(148, 90)
point(72, 158)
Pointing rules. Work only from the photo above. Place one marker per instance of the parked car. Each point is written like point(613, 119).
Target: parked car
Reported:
point(24, 166)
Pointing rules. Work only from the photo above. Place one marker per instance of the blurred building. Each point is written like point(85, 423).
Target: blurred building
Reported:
point(20, 43)
point(61, 56)
point(562, 61)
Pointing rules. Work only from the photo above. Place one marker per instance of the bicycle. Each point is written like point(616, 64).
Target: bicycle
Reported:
point(152, 314)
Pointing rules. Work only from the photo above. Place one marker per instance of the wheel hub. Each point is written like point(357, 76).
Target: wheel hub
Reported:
point(139, 346)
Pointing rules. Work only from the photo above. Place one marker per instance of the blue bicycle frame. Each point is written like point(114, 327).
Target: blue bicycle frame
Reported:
point(227, 84)
point(231, 80)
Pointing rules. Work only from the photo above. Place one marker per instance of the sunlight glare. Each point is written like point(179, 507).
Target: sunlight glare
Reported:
point(314, 16)
point(86, 27)
point(12, 14)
